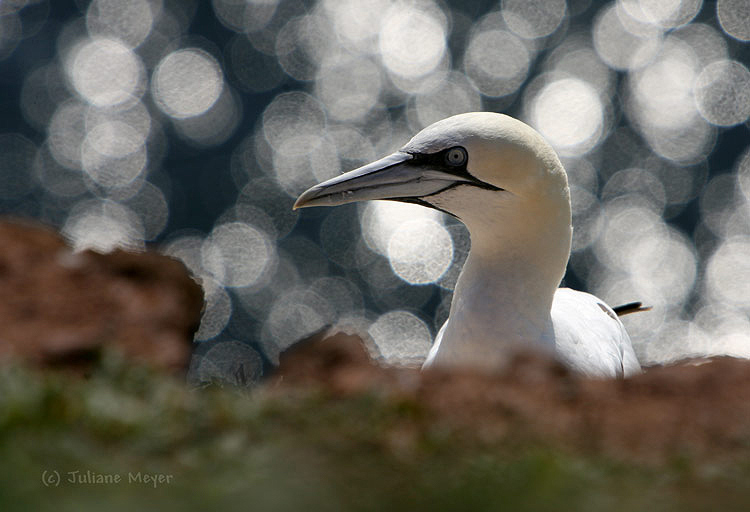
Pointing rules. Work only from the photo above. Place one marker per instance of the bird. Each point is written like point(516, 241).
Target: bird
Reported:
point(507, 185)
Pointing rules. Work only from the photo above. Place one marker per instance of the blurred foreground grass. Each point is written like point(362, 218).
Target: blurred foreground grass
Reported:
point(294, 449)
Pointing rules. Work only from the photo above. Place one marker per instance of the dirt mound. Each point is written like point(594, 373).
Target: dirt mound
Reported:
point(700, 410)
point(62, 307)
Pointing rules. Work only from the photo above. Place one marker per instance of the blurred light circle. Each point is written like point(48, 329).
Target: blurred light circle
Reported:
point(135, 122)
point(496, 62)
point(380, 219)
point(215, 125)
point(705, 42)
point(381, 280)
point(187, 83)
point(401, 338)
point(685, 145)
point(569, 113)
point(245, 15)
point(301, 45)
point(581, 172)
point(577, 59)
point(624, 47)
point(412, 40)
point(442, 96)
point(354, 148)
point(216, 312)
point(262, 26)
point(531, 19)
point(130, 22)
point(294, 121)
point(57, 179)
point(112, 171)
point(586, 218)
point(663, 267)
point(661, 93)
point(296, 172)
point(349, 87)
point(724, 331)
point(265, 195)
point(722, 93)
point(357, 21)
point(245, 212)
point(662, 13)
point(295, 315)
point(115, 138)
point(151, 206)
point(237, 254)
point(187, 249)
point(106, 73)
point(728, 272)
point(626, 222)
point(66, 132)
point(113, 152)
point(640, 183)
point(461, 242)
point(734, 17)
point(420, 251)
point(342, 294)
point(103, 225)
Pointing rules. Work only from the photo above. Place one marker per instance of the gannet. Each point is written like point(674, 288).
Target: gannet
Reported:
point(500, 178)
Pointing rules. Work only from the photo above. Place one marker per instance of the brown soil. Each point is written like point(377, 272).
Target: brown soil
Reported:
point(61, 308)
point(690, 409)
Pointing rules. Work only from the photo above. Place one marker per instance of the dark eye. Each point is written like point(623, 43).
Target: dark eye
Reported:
point(455, 156)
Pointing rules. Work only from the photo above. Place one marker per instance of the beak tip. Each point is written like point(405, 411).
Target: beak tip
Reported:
point(348, 188)
point(304, 199)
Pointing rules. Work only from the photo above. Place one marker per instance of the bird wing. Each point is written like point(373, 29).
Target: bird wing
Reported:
point(590, 337)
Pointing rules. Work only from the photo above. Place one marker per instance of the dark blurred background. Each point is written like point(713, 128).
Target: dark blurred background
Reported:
point(191, 126)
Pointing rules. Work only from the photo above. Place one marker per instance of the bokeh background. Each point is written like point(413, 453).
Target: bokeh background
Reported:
point(191, 126)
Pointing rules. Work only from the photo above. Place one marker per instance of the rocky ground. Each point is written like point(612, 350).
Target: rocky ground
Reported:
point(697, 408)
point(61, 308)
point(93, 358)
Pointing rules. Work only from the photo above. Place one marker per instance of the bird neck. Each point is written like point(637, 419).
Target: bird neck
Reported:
point(523, 259)
point(505, 291)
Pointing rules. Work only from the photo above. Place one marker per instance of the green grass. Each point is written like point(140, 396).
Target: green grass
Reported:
point(303, 449)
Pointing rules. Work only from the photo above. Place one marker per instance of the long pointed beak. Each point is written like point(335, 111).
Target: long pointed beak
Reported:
point(396, 176)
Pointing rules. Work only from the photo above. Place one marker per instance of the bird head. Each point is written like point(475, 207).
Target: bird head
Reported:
point(474, 166)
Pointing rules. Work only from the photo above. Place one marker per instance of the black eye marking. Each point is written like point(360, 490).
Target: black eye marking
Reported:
point(456, 156)
point(452, 160)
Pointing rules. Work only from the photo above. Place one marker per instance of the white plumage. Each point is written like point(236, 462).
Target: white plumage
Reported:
point(507, 185)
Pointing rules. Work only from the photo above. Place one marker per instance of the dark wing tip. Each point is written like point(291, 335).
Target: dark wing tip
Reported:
point(630, 307)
